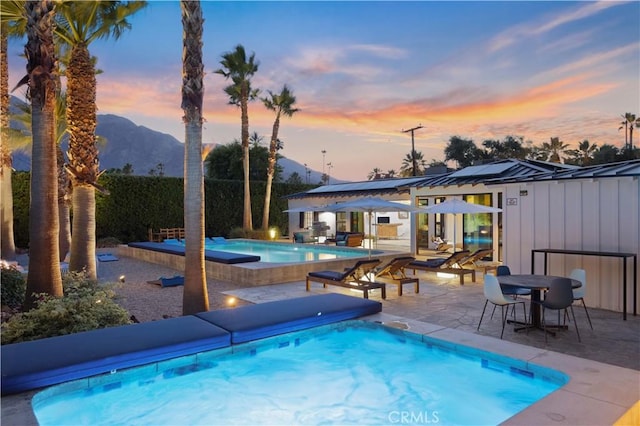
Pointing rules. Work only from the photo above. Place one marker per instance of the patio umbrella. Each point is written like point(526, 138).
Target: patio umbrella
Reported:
point(372, 205)
point(457, 206)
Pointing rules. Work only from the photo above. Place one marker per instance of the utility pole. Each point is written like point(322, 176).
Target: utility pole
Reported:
point(324, 176)
point(413, 147)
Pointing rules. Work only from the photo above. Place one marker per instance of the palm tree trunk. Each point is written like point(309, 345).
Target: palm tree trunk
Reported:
point(83, 241)
point(64, 235)
point(195, 296)
point(7, 244)
point(83, 157)
point(44, 268)
point(271, 170)
point(247, 222)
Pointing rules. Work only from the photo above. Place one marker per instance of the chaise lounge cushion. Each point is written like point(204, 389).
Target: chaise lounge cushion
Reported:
point(44, 362)
point(263, 320)
point(430, 263)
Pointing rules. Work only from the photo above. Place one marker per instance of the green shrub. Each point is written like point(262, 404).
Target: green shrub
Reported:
point(13, 287)
point(86, 305)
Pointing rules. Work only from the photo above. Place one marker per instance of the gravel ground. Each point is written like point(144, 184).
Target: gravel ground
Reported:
point(150, 302)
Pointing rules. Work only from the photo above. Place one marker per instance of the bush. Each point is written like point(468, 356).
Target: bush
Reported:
point(13, 287)
point(108, 242)
point(86, 305)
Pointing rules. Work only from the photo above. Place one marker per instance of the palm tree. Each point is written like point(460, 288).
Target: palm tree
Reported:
point(12, 24)
point(586, 150)
point(24, 139)
point(236, 67)
point(630, 121)
point(406, 170)
point(553, 149)
point(44, 270)
point(282, 104)
point(375, 173)
point(195, 297)
point(79, 24)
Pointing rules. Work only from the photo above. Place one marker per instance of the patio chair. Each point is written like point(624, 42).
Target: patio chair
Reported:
point(493, 293)
point(559, 297)
point(393, 273)
point(449, 265)
point(510, 290)
point(352, 278)
point(578, 293)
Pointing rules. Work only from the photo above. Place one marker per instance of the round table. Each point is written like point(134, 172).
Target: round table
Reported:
point(536, 283)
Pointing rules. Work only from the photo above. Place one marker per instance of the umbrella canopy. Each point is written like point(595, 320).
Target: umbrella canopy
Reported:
point(372, 205)
point(322, 208)
point(457, 206)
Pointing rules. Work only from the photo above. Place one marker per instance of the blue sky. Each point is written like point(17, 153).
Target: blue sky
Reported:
point(364, 71)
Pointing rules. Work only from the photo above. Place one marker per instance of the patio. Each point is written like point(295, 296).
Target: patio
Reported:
point(597, 393)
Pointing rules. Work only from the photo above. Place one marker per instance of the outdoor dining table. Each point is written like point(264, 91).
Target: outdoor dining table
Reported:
point(537, 284)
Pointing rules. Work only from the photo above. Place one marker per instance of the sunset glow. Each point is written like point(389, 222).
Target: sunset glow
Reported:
point(364, 71)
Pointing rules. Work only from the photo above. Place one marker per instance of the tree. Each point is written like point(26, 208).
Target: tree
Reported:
point(12, 24)
point(554, 149)
point(462, 151)
point(239, 69)
point(374, 174)
point(225, 162)
point(583, 156)
point(605, 154)
point(64, 188)
point(44, 268)
point(79, 24)
point(510, 147)
point(630, 121)
point(413, 157)
point(282, 104)
point(195, 297)
point(294, 179)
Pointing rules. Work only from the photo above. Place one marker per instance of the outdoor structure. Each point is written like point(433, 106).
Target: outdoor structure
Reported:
point(544, 206)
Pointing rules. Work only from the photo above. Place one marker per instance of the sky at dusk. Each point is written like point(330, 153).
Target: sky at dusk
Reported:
point(363, 72)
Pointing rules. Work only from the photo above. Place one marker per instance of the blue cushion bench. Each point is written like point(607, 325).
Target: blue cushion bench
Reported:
point(211, 255)
point(253, 322)
point(44, 362)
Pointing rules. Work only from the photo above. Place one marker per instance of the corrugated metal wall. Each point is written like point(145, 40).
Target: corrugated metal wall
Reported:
point(591, 214)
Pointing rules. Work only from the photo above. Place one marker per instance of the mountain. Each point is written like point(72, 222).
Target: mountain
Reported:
point(145, 149)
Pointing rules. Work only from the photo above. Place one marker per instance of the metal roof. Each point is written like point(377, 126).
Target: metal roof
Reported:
point(609, 170)
point(498, 172)
point(494, 173)
point(369, 187)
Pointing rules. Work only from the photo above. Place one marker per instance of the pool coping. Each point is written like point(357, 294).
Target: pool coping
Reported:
point(596, 393)
point(258, 273)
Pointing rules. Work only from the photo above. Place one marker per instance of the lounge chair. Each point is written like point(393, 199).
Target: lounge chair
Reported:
point(475, 261)
point(449, 265)
point(353, 278)
point(393, 273)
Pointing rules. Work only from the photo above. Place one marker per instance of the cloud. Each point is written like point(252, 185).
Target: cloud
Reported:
point(546, 24)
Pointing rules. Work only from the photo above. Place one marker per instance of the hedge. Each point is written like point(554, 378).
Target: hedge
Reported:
point(137, 203)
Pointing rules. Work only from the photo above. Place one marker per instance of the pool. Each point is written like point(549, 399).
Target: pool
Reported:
point(276, 252)
point(353, 372)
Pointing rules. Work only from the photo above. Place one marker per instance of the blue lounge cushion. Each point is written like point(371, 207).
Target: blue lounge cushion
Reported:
point(211, 255)
point(268, 319)
point(44, 362)
point(328, 275)
point(430, 263)
point(106, 257)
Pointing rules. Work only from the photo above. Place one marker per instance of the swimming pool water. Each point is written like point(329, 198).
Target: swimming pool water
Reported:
point(275, 252)
point(352, 373)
